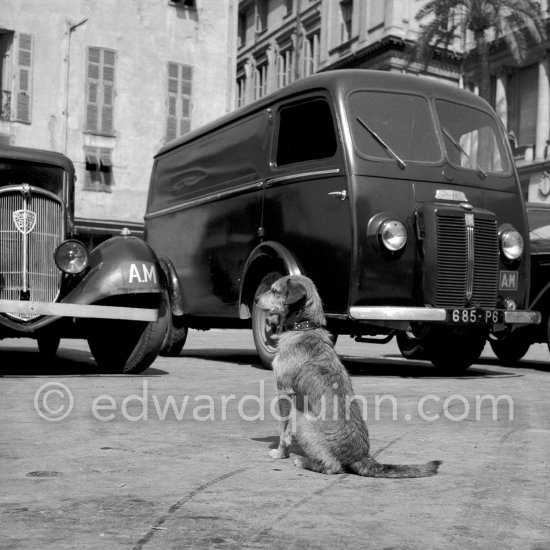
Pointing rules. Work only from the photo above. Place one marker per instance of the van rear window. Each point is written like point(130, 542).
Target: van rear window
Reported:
point(306, 132)
point(386, 124)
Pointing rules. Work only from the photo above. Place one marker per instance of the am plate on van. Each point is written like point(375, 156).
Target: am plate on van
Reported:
point(395, 194)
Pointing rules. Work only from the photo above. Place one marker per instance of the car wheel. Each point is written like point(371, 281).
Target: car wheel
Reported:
point(48, 344)
point(511, 348)
point(127, 347)
point(454, 350)
point(264, 335)
point(176, 336)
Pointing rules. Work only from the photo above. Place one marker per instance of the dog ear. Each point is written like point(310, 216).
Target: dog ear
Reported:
point(294, 292)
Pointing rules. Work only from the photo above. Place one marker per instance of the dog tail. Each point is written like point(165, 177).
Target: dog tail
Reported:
point(370, 468)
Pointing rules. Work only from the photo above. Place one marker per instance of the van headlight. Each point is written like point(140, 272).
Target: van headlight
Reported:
point(511, 244)
point(71, 257)
point(393, 235)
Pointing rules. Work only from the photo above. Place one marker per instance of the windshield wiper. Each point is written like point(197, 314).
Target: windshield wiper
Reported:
point(481, 173)
point(386, 147)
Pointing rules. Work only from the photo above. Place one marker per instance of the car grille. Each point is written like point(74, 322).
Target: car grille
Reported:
point(467, 261)
point(27, 267)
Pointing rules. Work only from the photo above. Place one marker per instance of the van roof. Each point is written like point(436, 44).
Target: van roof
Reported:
point(339, 83)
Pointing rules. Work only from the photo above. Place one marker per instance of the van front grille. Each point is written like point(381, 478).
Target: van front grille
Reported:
point(467, 261)
point(31, 228)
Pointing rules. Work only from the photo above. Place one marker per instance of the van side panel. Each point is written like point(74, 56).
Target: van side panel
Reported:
point(204, 212)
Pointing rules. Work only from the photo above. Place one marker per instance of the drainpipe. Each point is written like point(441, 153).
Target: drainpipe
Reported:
point(71, 27)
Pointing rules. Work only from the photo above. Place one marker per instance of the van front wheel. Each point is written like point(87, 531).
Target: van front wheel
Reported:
point(454, 350)
point(264, 335)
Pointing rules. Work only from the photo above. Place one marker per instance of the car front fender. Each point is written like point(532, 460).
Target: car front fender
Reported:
point(119, 266)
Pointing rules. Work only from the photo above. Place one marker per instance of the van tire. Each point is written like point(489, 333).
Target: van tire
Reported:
point(127, 347)
point(511, 348)
point(452, 351)
point(265, 345)
point(410, 347)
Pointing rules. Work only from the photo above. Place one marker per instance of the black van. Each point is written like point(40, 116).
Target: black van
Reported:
point(396, 194)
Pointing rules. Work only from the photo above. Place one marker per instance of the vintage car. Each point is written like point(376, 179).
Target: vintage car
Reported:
point(511, 346)
point(52, 287)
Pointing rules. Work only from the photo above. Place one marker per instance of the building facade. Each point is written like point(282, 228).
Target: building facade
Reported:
point(108, 83)
point(283, 40)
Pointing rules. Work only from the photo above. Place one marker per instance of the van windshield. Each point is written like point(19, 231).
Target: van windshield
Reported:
point(471, 138)
point(393, 126)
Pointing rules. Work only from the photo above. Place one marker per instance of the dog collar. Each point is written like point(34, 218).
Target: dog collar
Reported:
point(304, 325)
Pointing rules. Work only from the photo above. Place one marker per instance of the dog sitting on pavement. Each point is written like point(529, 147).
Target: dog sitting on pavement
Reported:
point(329, 424)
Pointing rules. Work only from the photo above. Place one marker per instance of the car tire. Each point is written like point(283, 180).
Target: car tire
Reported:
point(176, 336)
point(128, 347)
point(48, 344)
point(264, 336)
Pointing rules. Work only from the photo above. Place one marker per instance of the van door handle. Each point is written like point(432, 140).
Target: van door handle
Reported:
point(342, 195)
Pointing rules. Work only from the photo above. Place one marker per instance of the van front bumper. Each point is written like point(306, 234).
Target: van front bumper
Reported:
point(455, 316)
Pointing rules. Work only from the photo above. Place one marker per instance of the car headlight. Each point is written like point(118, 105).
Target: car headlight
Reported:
point(393, 235)
point(511, 244)
point(71, 257)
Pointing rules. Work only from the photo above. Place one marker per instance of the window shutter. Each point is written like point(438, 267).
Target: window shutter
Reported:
point(108, 92)
point(92, 106)
point(24, 68)
point(172, 118)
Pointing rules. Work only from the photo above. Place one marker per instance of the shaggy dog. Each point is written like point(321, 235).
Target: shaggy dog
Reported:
point(329, 424)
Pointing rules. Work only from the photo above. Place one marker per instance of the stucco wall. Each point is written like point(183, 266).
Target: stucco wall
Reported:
point(146, 35)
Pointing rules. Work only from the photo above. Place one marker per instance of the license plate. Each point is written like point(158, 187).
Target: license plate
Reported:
point(474, 316)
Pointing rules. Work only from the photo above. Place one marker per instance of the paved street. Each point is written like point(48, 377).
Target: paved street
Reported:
point(177, 457)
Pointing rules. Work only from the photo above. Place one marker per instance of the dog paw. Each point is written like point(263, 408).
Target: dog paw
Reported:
point(299, 462)
point(278, 453)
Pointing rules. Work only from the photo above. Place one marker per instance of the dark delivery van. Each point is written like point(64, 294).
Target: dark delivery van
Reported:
point(396, 194)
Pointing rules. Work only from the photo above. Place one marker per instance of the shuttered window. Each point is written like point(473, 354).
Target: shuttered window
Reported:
point(99, 169)
point(23, 92)
point(180, 86)
point(100, 91)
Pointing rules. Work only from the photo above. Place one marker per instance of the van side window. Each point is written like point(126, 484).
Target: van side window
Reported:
point(306, 132)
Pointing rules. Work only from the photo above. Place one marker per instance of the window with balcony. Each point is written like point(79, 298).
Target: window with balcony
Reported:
point(260, 81)
point(346, 17)
point(311, 54)
point(284, 68)
point(241, 91)
point(261, 16)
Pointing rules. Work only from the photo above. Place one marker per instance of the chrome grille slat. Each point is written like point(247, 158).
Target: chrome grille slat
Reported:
point(454, 268)
point(43, 277)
